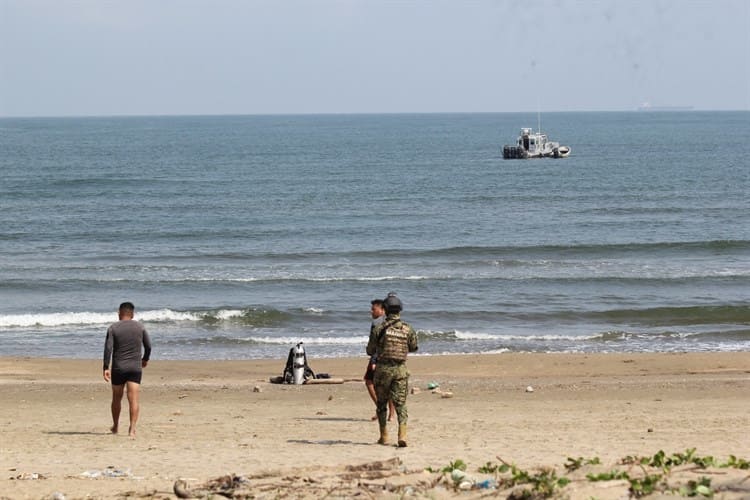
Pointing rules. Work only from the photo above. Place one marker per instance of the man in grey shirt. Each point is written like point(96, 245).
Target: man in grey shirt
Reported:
point(123, 348)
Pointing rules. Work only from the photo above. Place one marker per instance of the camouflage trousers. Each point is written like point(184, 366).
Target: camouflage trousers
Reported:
point(391, 382)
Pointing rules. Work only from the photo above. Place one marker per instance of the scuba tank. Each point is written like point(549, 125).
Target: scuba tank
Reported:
point(298, 368)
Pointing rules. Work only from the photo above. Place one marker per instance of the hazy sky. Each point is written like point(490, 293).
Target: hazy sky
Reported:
point(138, 57)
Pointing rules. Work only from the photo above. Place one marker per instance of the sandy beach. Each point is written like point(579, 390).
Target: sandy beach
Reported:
point(201, 420)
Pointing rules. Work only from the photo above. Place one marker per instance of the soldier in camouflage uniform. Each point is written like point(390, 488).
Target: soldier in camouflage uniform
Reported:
point(392, 340)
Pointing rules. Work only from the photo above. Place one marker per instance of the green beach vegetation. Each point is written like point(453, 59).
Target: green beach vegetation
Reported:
point(646, 475)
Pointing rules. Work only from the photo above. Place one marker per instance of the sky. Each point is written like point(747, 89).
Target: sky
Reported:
point(191, 57)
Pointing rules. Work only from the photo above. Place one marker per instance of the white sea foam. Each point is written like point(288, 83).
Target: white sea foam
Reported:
point(56, 319)
point(474, 336)
point(310, 340)
point(222, 314)
point(97, 318)
point(489, 336)
point(314, 310)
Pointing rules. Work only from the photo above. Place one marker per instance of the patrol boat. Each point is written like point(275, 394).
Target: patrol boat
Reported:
point(532, 144)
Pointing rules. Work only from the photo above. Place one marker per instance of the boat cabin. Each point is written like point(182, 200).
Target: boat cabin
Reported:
point(531, 142)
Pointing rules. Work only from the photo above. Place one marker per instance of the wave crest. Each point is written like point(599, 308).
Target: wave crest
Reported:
point(249, 317)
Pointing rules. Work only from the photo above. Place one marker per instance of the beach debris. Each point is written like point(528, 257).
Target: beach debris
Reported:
point(181, 489)
point(330, 380)
point(224, 486)
point(257, 389)
point(487, 484)
point(314, 482)
point(461, 479)
point(58, 496)
point(374, 470)
point(29, 476)
point(416, 390)
point(442, 393)
point(110, 471)
point(432, 385)
point(529, 388)
point(654, 476)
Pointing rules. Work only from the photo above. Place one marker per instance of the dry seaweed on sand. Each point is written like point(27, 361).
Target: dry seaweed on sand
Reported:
point(642, 477)
point(367, 479)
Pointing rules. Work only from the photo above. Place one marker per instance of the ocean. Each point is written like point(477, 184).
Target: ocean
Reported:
point(238, 236)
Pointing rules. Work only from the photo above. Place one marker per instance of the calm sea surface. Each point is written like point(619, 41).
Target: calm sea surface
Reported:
point(238, 236)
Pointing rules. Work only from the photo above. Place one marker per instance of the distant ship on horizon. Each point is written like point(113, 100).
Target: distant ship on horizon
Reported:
point(647, 106)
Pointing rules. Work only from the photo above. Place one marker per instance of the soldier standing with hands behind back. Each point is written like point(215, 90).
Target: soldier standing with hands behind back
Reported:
point(392, 339)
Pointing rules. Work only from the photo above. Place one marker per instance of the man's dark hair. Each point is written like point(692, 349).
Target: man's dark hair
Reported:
point(127, 306)
point(378, 302)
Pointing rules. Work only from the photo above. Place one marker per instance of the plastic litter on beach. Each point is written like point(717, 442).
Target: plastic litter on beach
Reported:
point(29, 476)
point(108, 472)
point(434, 388)
point(463, 481)
point(487, 484)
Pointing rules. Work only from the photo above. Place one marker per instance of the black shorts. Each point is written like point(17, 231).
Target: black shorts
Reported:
point(370, 373)
point(119, 378)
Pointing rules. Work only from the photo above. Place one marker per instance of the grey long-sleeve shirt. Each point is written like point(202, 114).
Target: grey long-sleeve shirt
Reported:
point(123, 346)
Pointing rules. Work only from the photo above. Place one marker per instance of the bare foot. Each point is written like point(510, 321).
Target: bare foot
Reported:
point(131, 433)
point(374, 418)
point(113, 429)
point(390, 418)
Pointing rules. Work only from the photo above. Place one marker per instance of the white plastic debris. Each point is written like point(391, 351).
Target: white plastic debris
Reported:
point(108, 472)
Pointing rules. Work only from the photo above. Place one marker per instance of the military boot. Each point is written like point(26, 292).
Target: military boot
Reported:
point(383, 435)
point(402, 435)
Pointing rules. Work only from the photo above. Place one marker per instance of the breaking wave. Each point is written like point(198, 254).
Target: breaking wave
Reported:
point(250, 317)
